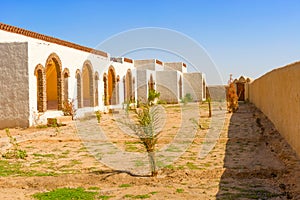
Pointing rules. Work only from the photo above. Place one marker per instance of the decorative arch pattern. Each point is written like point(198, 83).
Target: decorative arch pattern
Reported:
point(39, 72)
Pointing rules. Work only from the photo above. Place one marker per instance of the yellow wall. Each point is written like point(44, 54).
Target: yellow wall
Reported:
point(277, 95)
point(51, 77)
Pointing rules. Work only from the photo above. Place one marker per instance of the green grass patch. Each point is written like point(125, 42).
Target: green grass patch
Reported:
point(75, 162)
point(65, 152)
point(94, 188)
point(104, 197)
point(125, 185)
point(15, 169)
point(66, 194)
point(169, 167)
point(8, 169)
point(140, 196)
point(153, 193)
point(191, 165)
point(207, 165)
point(179, 190)
point(44, 155)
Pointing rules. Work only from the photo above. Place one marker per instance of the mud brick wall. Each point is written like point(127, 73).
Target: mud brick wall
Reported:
point(277, 95)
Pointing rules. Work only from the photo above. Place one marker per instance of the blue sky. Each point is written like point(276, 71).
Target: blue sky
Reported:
point(242, 37)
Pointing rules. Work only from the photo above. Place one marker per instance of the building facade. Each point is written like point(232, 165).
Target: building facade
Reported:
point(39, 73)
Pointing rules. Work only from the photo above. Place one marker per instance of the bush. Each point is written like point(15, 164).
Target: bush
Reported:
point(98, 115)
point(69, 108)
point(232, 99)
point(152, 96)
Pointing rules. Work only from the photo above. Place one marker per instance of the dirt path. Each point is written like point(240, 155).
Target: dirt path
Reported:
point(249, 160)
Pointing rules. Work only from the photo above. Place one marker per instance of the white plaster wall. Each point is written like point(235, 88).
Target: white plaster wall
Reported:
point(171, 66)
point(121, 70)
point(143, 76)
point(73, 59)
point(192, 83)
point(167, 85)
point(148, 65)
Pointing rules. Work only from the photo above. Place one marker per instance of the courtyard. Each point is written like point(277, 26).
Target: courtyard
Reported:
point(249, 160)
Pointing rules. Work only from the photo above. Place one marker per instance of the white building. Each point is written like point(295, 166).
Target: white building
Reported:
point(38, 73)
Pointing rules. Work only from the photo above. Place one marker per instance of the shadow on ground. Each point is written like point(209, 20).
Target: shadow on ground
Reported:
point(258, 163)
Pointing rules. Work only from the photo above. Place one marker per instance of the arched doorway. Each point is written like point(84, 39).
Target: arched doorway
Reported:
point(39, 72)
point(151, 83)
point(240, 91)
point(128, 86)
point(240, 88)
point(87, 85)
point(53, 83)
point(79, 91)
point(111, 86)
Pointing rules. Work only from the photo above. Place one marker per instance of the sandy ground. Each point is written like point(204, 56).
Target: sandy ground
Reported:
point(249, 160)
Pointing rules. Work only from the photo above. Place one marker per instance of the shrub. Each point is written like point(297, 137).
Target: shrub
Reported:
point(69, 108)
point(152, 96)
point(98, 115)
point(232, 99)
point(145, 127)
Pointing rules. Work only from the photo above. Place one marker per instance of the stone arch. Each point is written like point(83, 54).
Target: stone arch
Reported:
point(88, 84)
point(128, 86)
point(96, 89)
point(112, 81)
point(54, 82)
point(66, 75)
point(105, 89)
point(39, 72)
point(79, 90)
